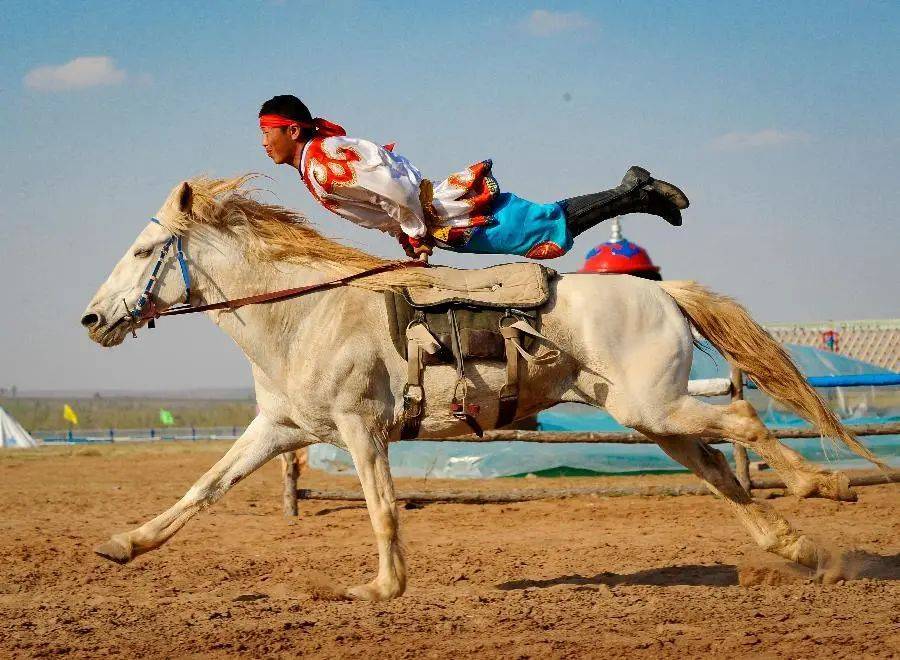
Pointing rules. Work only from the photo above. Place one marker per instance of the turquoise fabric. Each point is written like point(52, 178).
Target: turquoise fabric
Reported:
point(519, 226)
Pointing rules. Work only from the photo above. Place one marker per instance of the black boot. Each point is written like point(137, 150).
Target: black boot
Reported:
point(638, 193)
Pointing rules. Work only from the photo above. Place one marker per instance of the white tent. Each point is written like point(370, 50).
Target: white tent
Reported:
point(12, 434)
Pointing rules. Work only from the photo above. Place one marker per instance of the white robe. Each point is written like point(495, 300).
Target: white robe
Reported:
point(376, 188)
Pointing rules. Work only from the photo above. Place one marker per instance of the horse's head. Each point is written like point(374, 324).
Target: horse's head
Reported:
point(231, 242)
point(115, 309)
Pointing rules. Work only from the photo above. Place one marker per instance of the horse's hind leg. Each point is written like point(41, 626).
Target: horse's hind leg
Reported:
point(739, 422)
point(688, 417)
point(261, 441)
point(769, 530)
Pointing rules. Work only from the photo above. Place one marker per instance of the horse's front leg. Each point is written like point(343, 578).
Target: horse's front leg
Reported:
point(262, 441)
point(369, 452)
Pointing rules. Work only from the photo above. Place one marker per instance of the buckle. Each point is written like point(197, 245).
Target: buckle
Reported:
point(509, 392)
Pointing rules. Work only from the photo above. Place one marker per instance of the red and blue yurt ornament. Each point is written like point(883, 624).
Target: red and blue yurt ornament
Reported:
point(620, 256)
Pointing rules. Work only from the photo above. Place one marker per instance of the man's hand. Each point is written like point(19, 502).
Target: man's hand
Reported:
point(415, 247)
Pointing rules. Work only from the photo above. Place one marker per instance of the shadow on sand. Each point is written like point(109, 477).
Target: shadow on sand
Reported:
point(689, 575)
point(335, 509)
point(859, 564)
point(856, 565)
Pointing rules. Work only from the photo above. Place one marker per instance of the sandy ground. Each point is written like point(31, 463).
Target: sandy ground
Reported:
point(581, 577)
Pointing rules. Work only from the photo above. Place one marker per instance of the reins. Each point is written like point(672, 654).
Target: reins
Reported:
point(286, 294)
point(146, 310)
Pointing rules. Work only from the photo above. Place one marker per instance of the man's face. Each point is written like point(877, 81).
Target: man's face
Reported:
point(281, 143)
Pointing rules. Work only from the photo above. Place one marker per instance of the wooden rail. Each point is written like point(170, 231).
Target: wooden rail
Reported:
point(741, 460)
point(525, 495)
point(635, 438)
point(291, 493)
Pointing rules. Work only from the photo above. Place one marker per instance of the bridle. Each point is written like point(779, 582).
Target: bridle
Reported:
point(146, 310)
point(143, 312)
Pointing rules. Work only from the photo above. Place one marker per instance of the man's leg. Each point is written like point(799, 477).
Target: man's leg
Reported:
point(638, 193)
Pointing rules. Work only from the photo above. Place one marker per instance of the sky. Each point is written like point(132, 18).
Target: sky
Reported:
point(779, 120)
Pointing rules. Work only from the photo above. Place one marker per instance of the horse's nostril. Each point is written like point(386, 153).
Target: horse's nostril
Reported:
point(90, 320)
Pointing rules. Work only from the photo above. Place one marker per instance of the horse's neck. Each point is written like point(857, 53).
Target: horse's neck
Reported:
point(264, 331)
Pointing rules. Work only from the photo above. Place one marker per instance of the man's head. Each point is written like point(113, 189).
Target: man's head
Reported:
point(284, 143)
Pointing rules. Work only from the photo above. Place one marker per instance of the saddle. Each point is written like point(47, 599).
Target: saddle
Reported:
point(487, 314)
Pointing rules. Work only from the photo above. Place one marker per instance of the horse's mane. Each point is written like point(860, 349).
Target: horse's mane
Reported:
point(274, 233)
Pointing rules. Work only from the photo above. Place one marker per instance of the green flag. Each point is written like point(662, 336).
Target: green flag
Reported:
point(165, 417)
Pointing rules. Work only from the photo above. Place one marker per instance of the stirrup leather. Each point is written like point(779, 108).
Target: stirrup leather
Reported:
point(418, 340)
point(512, 338)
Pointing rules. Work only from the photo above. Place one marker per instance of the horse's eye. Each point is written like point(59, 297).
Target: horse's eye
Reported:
point(143, 253)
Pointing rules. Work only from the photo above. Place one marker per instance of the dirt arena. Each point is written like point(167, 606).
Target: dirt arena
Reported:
point(581, 577)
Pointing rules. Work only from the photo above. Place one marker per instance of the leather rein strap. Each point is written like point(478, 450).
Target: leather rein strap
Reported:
point(150, 312)
point(146, 309)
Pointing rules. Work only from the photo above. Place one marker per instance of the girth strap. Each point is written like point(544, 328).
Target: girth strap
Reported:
point(418, 340)
point(525, 327)
point(509, 393)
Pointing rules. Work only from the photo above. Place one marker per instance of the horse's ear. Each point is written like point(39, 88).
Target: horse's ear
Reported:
point(185, 197)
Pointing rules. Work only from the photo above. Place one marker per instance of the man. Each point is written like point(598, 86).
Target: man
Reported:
point(374, 187)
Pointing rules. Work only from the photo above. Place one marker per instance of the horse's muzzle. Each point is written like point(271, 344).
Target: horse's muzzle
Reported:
point(105, 334)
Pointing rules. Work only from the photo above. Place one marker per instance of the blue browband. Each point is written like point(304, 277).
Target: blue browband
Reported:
point(138, 310)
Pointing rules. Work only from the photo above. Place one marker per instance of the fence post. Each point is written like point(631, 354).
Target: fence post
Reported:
point(741, 460)
point(290, 472)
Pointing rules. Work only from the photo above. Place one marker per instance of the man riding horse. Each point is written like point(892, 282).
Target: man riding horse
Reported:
point(374, 187)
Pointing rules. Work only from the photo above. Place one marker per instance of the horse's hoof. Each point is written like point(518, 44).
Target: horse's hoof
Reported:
point(114, 550)
point(836, 486)
point(828, 485)
point(371, 592)
point(802, 550)
point(832, 567)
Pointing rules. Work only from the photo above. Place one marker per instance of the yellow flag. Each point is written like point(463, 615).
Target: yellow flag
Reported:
point(69, 414)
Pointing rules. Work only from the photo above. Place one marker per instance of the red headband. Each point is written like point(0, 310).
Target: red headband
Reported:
point(321, 127)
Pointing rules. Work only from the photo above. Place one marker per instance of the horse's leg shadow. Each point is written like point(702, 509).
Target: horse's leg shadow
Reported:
point(693, 575)
point(850, 565)
point(862, 565)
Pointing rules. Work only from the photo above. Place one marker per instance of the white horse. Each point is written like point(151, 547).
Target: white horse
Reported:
point(326, 369)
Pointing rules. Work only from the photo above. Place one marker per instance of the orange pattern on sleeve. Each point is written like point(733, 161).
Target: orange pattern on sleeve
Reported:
point(329, 170)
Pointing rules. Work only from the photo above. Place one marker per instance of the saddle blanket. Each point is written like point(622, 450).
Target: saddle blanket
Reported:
point(516, 286)
point(479, 299)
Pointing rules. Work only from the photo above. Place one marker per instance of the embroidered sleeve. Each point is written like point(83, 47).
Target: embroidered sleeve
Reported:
point(365, 183)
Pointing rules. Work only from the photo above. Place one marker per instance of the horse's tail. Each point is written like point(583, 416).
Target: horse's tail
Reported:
point(747, 345)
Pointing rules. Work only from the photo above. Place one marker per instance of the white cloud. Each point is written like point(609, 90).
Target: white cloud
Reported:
point(768, 137)
point(80, 73)
point(543, 23)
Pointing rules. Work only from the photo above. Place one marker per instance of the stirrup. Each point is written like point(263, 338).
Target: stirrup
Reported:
point(464, 412)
